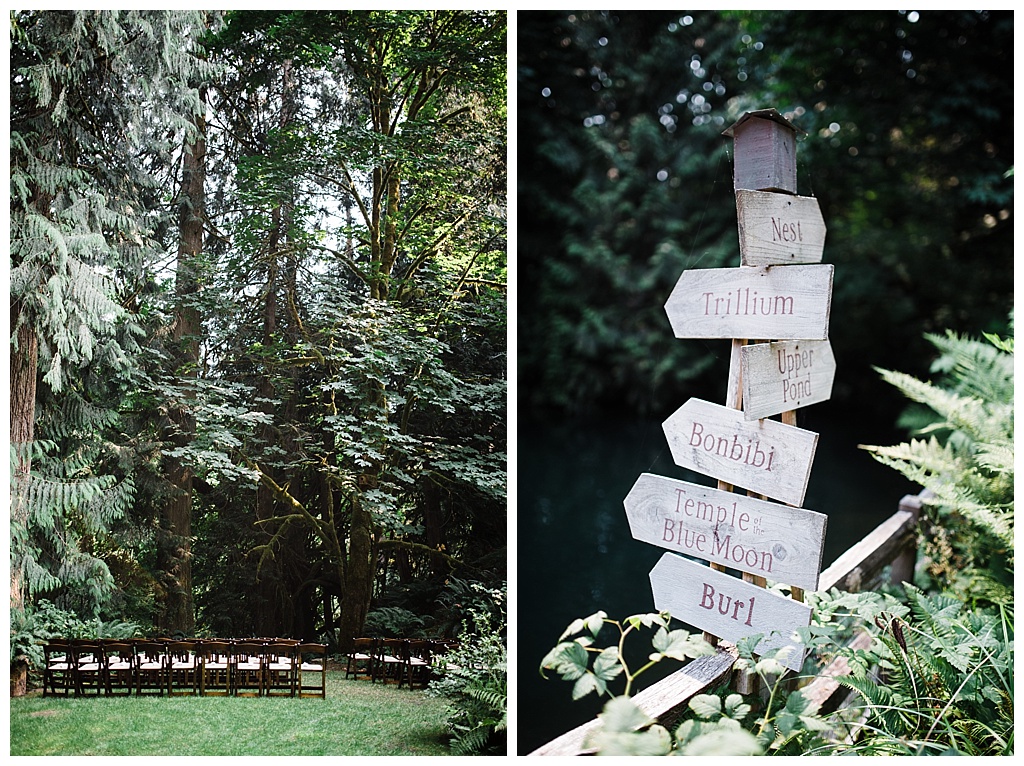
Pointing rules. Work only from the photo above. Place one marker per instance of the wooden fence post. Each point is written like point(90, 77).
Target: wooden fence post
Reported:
point(903, 565)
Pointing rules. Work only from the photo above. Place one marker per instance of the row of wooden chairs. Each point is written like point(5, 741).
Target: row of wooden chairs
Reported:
point(203, 667)
point(396, 660)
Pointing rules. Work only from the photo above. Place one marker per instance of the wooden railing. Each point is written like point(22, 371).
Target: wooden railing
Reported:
point(892, 544)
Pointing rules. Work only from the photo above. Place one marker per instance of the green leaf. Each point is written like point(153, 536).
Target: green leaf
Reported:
point(706, 705)
point(683, 645)
point(621, 714)
point(723, 742)
point(595, 622)
point(574, 627)
point(649, 619)
point(735, 707)
point(653, 741)
point(607, 665)
point(586, 684)
point(568, 659)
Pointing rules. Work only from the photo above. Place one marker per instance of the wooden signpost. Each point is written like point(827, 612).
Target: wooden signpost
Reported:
point(765, 456)
point(771, 540)
point(752, 302)
point(781, 294)
point(727, 606)
point(778, 228)
point(777, 377)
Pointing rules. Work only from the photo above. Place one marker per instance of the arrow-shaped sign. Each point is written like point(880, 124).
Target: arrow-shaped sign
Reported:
point(764, 456)
point(752, 302)
point(774, 541)
point(777, 377)
point(779, 228)
point(728, 607)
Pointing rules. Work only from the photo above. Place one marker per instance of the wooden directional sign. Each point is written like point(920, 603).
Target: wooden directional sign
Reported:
point(728, 607)
point(775, 541)
point(779, 228)
point(764, 456)
point(777, 377)
point(752, 302)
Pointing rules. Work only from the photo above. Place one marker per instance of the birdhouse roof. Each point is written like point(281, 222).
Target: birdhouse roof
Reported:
point(765, 114)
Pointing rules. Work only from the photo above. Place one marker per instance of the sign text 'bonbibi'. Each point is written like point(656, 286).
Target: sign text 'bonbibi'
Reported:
point(764, 456)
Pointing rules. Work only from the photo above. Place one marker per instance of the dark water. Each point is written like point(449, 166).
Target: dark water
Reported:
point(576, 555)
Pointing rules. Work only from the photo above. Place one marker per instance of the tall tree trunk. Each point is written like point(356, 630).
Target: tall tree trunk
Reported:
point(433, 526)
point(357, 576)
point(277, 611)
point(174, 552)
point(24, 361)
point(24, 364)
point(24, 372)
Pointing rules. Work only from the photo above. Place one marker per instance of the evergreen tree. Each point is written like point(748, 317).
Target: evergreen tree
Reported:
point(94, 97)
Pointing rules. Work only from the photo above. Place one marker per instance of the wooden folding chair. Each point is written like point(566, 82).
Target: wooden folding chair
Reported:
point(88, 667)
point(150, 667)
point(214, 668)
point(387, 660)
point(280, 669)
point(312, 667)
point(58, 668)
point(182, 669)
point(119, 670)
point(415, 663)
point(360, 659)
point(247, 669)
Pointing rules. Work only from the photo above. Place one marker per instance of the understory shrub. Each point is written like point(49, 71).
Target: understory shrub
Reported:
point(32, 627)
point(474, 678)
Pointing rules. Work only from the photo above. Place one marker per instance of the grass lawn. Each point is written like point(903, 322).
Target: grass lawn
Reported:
point(357, 718)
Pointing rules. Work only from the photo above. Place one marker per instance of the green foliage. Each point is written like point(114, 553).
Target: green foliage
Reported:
point(78, 491)
point(571, 659)
point(946, 682)
point(937, 678)
point(98, 99)
point(344, 318)
point(938, 675)
point(32, 627)
point(393, 622)
point(474, 678)
point(966, 463)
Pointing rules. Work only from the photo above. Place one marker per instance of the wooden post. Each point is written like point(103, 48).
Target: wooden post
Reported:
point(903, 566)
point(764, 148)
point(733, 400)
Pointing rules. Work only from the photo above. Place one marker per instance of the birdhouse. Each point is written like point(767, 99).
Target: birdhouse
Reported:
point(765, 151)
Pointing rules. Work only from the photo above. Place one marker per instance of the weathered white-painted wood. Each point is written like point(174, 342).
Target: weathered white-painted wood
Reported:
point(861, 566)
point(729, 607)
point(770, 540)
point(786, 375)
point(777, 302)
point(779, 229)
point(764, 456)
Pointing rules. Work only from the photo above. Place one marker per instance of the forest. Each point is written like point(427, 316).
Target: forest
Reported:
point(258, 324)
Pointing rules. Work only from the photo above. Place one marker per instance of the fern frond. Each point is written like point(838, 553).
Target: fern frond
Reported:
point(978, 369)
point(471, 742)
